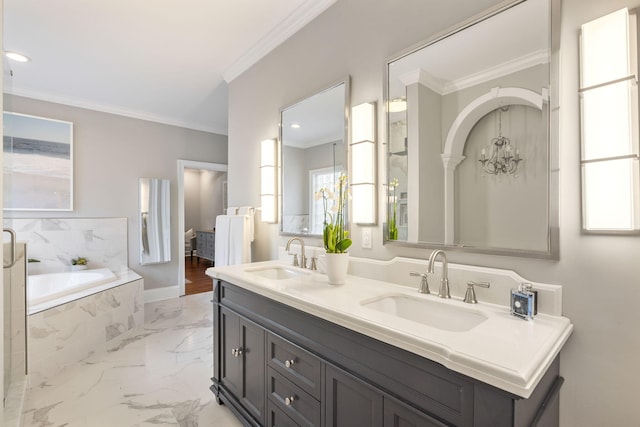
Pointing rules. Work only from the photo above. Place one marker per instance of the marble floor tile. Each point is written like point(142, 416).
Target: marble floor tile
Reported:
point(158, 376)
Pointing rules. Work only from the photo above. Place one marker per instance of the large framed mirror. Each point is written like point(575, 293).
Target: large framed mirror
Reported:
point(313, 135)
point(472, 135)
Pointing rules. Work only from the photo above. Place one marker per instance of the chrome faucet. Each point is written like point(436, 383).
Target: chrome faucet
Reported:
point(444, 282)
point(423, 287)
point(303, 258)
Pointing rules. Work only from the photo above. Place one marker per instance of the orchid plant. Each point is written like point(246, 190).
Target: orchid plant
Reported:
point(335, 237)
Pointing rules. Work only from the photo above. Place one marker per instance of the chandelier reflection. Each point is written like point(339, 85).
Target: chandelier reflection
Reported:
point(502, 157)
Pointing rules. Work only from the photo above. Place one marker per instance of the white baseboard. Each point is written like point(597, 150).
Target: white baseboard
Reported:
point(159, 294)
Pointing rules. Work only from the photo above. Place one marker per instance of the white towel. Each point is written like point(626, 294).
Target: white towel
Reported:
point(222, 240)
point(239, 240)
point(250, 211)
point(246, 210)
point(232, 210)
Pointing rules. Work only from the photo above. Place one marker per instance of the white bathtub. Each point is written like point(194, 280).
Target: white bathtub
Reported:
point(53, 289)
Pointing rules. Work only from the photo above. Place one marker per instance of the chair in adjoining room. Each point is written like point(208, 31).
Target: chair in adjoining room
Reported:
point(190, 242)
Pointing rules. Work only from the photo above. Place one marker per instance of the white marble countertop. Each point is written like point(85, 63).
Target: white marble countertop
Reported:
point(504, 351)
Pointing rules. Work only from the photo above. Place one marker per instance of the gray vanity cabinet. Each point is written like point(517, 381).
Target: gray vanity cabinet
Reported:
point(242, 361)
point(278, 366)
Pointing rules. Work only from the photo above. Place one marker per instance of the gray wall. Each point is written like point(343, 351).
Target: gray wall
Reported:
point(110, 153)
point(600, 274)
point(504, 211)
point(202, 198)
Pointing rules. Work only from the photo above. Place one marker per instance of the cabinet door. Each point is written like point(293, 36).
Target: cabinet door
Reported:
point(349, 402)
point(243, 361)
point(253, 395)
point(397, 414)
point(230, 363)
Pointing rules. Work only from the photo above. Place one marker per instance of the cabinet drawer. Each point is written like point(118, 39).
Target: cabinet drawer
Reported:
point(298, 365)
point(297, 404)
point(277, 418)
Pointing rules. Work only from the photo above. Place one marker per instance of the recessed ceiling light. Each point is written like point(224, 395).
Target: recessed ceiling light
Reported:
point(17, 56)
point(295, 126)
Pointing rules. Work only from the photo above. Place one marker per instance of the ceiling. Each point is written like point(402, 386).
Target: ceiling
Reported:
point(491, 48)
point(167, 61)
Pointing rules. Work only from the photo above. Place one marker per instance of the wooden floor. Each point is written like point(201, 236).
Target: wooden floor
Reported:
point(195, 272)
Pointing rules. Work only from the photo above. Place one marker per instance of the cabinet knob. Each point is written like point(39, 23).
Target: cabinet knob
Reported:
point(289, 363)
point(289, 400)
point(237, 352)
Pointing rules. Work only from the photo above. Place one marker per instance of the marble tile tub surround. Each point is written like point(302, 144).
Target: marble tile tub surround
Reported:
point(61, 337)
point(55, 241)
point(397, 271)
point(159, 375)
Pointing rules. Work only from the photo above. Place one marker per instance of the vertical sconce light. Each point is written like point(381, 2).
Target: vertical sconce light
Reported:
point(609, 124)
point(268, 180)
point(363, 163)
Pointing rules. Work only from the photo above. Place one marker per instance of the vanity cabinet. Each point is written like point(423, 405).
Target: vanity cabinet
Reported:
point(317, 373)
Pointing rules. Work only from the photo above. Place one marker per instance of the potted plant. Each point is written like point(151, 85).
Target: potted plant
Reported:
point(79, 263)
point(335, 237)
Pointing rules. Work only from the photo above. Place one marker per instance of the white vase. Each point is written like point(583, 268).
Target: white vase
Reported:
point(337, 266)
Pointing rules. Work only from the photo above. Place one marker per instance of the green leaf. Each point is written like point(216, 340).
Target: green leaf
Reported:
point(343, 245)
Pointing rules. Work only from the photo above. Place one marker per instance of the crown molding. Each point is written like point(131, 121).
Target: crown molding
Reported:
point(425, 79)
point(503, 69)
point(111, 109)
point(304, 14)
point(509, 67)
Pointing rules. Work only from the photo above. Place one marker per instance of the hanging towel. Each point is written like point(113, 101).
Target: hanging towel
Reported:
point(246, 210)
point(250, 211)
point(239, 240)
point(222, 240)
point(232, 210)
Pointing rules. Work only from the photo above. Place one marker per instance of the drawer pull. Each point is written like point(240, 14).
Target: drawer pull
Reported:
point(237, 352)
point(289, 363)
point(289, 400)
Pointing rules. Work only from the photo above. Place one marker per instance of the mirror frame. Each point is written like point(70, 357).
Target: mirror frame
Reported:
point(347, 99)
point(553, 183)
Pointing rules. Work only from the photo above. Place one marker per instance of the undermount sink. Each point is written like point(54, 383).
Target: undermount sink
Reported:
point(431, 313)
point(277, 272)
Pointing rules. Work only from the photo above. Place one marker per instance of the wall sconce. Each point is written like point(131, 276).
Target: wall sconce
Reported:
point(363, 164)
point(609, 121)
point(268, 180)
point(503, 157)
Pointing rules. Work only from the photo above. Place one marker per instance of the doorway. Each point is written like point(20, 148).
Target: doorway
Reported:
point(201, 197)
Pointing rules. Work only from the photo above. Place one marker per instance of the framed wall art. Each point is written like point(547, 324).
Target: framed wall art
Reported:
point(38, 163)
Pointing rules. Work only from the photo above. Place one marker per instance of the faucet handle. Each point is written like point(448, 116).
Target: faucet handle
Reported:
point(314, 266)
point(424, 284)
point(295, 260)
point(470, 295)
